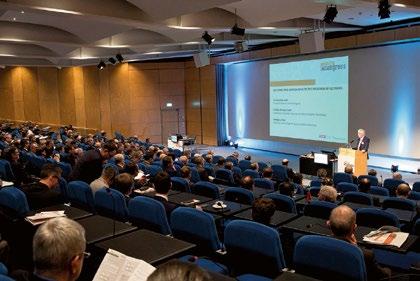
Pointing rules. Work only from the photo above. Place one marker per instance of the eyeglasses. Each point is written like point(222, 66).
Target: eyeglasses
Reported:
point(86, 255)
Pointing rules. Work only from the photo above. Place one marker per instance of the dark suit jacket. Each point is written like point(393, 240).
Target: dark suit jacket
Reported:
point(364, 145)
point(169, 207)
point(40, 196)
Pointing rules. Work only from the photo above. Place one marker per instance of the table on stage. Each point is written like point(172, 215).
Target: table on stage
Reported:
point(317, 226)
point(309, 167)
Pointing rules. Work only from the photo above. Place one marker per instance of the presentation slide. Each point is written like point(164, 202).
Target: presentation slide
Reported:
point(309, 99)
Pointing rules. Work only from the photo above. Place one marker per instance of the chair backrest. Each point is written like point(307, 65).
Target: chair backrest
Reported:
point(375, 218)
point(414, 195)
point(64, 189)
point(376, 190)
point(197, 227)
point(180, 184)
point(358, 197)
point(416, 227)
point(342, 177)
point(177, 153)
point(237, 172)
point(279, 172)
point(316, 182)
point(283, 202)
point(239, 195)
point(66, 168)
point(111, 203)
point(315, 190)
point(195, 176)
point(113, 166)
point(216, 158)
point(232, 159)
point(225, 175)
point(153, 170)
point(252, 173)
point(399, 203)
point(244, 164)
point(328, 258)
point(299, 189)
point(3, 269)
point(247, 242)
point(344, 187)
point(6, 172)
point(148, 213)
point(81, 195)
point(391, 185)
point(373, 180)
point(319, 209)
point(13, 199)
point(206, 189)
point(261, 166)
point(264, 183)
point(416, 186)
point(141, 166)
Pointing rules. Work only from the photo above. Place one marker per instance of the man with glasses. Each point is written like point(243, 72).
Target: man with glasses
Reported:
point(58, 251)
point(43, 193)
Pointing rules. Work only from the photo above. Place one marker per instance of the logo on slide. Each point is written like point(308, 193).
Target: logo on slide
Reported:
point(331, 66)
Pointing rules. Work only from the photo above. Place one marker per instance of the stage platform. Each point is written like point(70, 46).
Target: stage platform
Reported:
point(276, 158)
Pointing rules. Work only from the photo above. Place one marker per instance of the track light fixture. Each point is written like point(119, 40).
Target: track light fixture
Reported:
point(119, 58)
point(236, 30)
point(101, 65)
point(330, 14)
point(112, 60)
point(384, 11)
point(208, 38)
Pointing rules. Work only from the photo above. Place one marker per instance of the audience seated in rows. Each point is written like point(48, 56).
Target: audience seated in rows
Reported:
point(327, 193)
point(349, 170)
point(105, 180)
point(262, 210)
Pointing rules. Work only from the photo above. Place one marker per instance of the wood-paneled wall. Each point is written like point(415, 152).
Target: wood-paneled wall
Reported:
point(126, 97)
point(130, 97)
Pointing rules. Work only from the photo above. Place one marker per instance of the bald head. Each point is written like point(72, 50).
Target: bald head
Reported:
point(403, 190)
point(342, 221)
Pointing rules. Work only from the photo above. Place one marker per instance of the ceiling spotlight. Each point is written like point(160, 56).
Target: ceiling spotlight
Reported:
point(101, 65)
point(112, 60)
point(208, 38)
point(384, 11)
point(330, 14)
point(236, 30)
point(119, 58)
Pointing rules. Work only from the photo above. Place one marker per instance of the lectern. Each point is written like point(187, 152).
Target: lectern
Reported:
point(355, 158)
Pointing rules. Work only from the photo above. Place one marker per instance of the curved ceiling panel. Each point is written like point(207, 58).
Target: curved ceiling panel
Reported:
point(25, 50)
point(134, 37)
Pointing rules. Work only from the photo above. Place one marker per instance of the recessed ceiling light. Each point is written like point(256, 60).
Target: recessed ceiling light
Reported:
point(7, 55)
point(400, 5)
point(266, 27)
point(58, 10)
point(184, 27)
point(113, 46)
point(191, 43)
point(22, 12)
point(153, 53)
point(14, 19)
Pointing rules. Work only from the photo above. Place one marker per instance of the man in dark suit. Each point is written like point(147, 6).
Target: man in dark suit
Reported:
point(42, 194)
point(89, 167)
point(163, 184)
point(343, 225)
point(362, 141)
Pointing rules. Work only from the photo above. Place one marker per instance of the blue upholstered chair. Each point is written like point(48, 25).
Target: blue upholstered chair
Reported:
point(216, 158)
point(414, 195)
point(391, 185)
point(399, 203)
point(206, 189)
point(316, 182)
point(148, 213)
point(252, 173)
point(344, 187)
point(264, 183)
point(232, 159)
point(261, 166)
point(416, 227)
point(111, 203)
point(253, 248)
point(13, 199)
point(195, 176)
point(244, 164)
point(329, 258)
point(239, 195)
point(416, 186)
point(80, 194)
point(358, 197)
point(153, 170)
point(375, 218)
point(342, 177)
point(319, 209)
point(315, 190)
point(197, 227)
point(279, 172)
point(373, 180)
point(225, 175)
point(283, 202)
point(376, 190)
point(180, 184)
point(6, 172)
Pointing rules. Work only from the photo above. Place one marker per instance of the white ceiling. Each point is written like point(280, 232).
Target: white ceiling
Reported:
point(82, 32)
